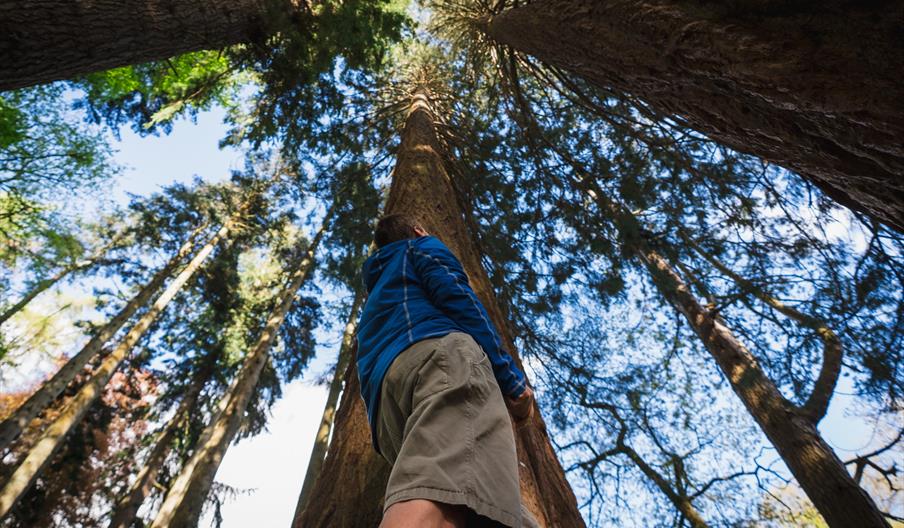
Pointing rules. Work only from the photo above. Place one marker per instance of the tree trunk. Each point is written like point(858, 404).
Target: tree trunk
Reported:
point(47, 40)
point(185, 499)
point(681, 502)
point(42, 286)
point(811, 86)
point(421, 187)
point(817, 404)
point(811, 460)
point(40, 454)
point(790, 428)
point(321, 441)
point(353, 493)
point(13, 426)
point(126, 508)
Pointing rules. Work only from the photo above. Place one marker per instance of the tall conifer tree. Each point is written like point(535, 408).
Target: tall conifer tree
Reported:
point(421, 187)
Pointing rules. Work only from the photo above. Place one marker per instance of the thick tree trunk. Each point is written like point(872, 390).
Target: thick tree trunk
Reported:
point(13, 426)
point(812, 86)
point(321, 441)
point(185, 499)
point(351, 492)
point(40, 454)
point(790, 428)
point(421, 187)
point(126, 508)
point(48, 40)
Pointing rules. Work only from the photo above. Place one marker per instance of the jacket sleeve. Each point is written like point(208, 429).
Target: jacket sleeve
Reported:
point(446, 285)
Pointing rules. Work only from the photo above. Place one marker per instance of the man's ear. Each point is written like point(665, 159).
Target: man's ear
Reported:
point(420, 231)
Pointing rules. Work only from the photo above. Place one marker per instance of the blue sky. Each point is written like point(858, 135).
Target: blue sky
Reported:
point(191, 149)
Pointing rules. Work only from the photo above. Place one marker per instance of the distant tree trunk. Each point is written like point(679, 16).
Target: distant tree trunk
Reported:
point(817, 403)
point(13, 426)
point(185, 499)
point(40, 454)
point(812, 86)
point(126, 508)
point(790, 428)
point(421, 187)
point(49, 40)
point(321, 441)
point(45, 284)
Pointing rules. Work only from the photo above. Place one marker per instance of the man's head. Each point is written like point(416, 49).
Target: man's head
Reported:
point(395, 227)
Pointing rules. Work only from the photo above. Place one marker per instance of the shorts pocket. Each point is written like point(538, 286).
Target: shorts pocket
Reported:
point(470, 349)
point(480, 358)
point(432, 376)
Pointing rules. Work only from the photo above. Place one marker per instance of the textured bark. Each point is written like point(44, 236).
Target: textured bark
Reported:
point(421, 187)
point(349, 489)
point(13, 426)
point(185, 499)
point(126, 508)
point(790, 428)
point(47, 40)
point(40, 454)
point(812, 86)
point(321, 441)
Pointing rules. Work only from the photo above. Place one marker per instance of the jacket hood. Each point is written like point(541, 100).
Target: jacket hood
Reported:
point(376, 263)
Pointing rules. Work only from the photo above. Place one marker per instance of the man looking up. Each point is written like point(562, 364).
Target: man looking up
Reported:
point(433, 374)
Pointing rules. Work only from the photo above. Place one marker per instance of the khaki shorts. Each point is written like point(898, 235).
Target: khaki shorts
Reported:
point(444, 427)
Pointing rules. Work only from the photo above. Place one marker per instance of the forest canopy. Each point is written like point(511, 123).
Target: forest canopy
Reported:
point(685, 227)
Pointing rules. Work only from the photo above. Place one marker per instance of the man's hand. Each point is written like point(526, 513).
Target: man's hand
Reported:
point(522, 407)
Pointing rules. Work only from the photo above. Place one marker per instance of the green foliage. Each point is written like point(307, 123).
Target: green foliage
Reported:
point(12, 123)
point(151, 96)
point(309, 53)
point(564, 186)
point(290, 65)
point(49, 160)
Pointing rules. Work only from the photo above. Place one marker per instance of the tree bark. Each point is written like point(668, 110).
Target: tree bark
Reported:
point(352, 495)
point(49, 40)
point(13, 426)
point(185, 499)
point(40, 454)
point(421, 187)
point(126, 508)
point(790, 428)
point(321, 441)
point(811, 86)
point(811, 460)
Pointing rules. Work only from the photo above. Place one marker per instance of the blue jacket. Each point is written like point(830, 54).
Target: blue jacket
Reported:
point(417, 289)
